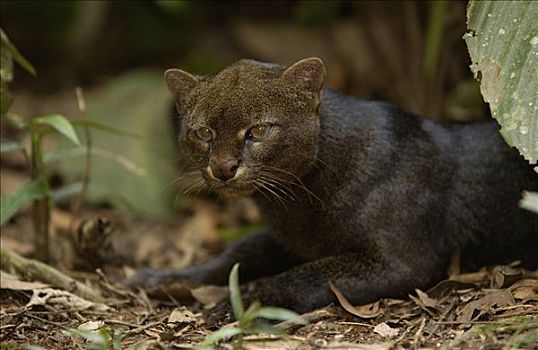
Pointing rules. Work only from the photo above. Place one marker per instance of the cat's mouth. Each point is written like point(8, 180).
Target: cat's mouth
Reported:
point(233, 188)
point(240, 185)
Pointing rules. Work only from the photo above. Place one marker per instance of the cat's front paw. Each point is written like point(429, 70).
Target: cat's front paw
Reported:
point(148, 278)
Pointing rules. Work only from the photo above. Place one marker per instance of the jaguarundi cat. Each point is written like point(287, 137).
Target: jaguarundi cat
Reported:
point(360, 193)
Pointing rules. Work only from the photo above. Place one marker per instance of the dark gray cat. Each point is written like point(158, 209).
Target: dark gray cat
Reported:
point(360, 193)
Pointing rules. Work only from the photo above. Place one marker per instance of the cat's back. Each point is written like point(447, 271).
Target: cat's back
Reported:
point(460, 177)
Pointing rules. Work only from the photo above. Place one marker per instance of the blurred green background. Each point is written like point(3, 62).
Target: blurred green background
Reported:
point(409, 53)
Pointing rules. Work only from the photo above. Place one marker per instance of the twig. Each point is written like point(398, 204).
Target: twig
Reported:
point(46, 321)
point(122, 323)
point(143, 328)
point(37, 270)
point(471, 322)
point(357, 324)
point(87, 168)
point(416, 338)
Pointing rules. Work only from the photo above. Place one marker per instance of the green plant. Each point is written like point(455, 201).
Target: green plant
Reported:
point(38, 189)
point(503, 45)
point(246, 318)
point(102, 339)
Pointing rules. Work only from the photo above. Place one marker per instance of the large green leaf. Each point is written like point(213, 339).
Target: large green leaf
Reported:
point(100, 126)
point(503, 44)
point(10, 203)
point(77, 152)
point(60, 124)
point(137, 169)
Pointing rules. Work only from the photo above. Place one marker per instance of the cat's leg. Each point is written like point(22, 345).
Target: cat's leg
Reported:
point(306, 287)
point(258, 254)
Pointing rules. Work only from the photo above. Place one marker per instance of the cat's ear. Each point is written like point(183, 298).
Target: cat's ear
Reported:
point(308, 73)
point(179, 82)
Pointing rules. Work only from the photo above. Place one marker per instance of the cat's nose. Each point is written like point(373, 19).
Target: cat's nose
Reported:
point(226, 170)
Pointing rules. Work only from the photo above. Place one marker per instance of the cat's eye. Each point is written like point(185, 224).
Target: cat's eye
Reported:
point(259, 132)
point(204, 134)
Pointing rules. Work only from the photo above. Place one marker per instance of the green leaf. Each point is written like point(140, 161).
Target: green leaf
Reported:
point(235, 293)
point(12, 202)
point(60, 124)
point(503, 45)
point(62, 154)
point(118, 336)
point(280, 314)
point(220, 334)
point(265, 329)
point(250, 314)
point(529, 201)
point(67, 191)
point(137, 103)
point(97, 125)
point(98, 339)
point(23, 62)
point(10, 146)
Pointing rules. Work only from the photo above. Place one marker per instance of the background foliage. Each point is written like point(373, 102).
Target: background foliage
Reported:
point(408, 53)
point(503, 44)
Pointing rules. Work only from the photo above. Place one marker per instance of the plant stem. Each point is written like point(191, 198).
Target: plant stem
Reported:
point(40, 207)
point(238, 343)
point(87, 169)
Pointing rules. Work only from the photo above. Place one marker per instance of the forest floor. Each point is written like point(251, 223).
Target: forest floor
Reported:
point(495, 308)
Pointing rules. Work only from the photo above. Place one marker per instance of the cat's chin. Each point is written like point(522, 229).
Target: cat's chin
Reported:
point(234, 190)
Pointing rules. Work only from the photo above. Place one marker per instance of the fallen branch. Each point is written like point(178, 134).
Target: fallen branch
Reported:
point(36, 270)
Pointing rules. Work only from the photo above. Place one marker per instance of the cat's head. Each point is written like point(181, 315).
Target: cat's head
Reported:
point(251, 125)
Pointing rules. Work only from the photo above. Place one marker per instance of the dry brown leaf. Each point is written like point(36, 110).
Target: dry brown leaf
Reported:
point(385, 330)
point(504, 276)
point(425, 302)
point(473, 277)
point(371, 310)
point(62, 299)
point(209, 296)
point(182, 315)
point(365, 311)
point(526, 289)
point(9, 281)
point(91, 325)
point(446, 287)
point(486, 304)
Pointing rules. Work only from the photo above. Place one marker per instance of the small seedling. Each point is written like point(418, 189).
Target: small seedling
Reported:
point(246, 318)
point(103, 339)
point(38, 190)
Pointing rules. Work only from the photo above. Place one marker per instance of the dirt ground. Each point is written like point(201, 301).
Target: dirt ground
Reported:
point(494, 308)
